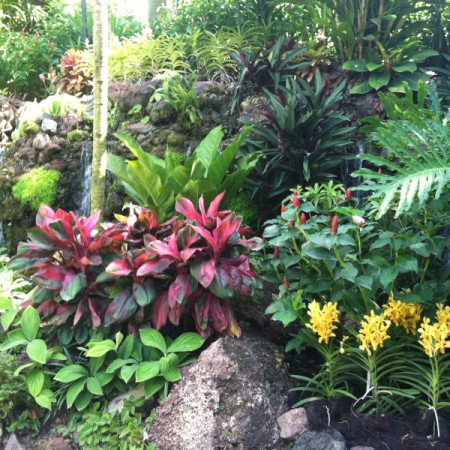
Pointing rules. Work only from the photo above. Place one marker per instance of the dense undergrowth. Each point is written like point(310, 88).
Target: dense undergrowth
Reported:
point(90, 309)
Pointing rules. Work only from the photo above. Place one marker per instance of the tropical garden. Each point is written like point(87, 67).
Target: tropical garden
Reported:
point(288, 159)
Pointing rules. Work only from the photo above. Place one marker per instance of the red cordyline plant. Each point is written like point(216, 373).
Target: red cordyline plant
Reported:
point(138, 271)
point(200, 265)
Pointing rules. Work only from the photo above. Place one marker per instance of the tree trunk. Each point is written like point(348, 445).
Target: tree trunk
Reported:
point(84, 33)
point(153, 6)
point(100, 104)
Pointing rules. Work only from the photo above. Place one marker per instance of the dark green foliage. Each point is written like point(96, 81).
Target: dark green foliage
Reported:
point(243, 205)
point(36, 187)
point(13, 391)
point(299, 141)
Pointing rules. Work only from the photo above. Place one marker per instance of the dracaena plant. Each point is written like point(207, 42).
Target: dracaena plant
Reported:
point(198, 267)
point(299, 141)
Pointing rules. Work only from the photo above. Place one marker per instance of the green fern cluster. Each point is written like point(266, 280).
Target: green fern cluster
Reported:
point(36, 187)
point(417, 139)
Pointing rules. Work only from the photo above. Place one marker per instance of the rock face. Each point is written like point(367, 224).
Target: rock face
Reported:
point(230, 398)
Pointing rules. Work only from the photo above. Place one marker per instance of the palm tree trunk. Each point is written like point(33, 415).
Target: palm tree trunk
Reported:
point(100, 104)
point(153, 6)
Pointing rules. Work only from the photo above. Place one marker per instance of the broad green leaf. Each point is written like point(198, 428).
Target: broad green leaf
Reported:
point(379, 79)
point(45, 398)
point(407, 66)
point(5, 303)
point(15, 338)
point(37, 351)
point(358, 65)
point(83, 400)
point(72, 288)
point(98, 349)
point(126, 372)
point(71, 373)
point(30, 323)
point(154, 385)
point(388, 275)
point(362, 88)
point(147, 370)
point(93, 386)
point(8, 317)
point(169, 367)
point(35, 381)
point(187, 342)
point(205, 153)
point(74, 389)
point(153, 338)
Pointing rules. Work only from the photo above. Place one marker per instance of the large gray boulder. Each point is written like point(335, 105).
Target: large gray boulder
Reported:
point(230, 398)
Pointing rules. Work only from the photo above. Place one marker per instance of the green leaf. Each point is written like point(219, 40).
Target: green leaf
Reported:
point(126, 372)
point(154, 385)
point(37, 351)
point(71, 289)
point(361, 88)
point(205, 153)
point(358, 65)
point(35, 381)
point(377, 80)
point(93, 386)
point(388, 275)
point(74, 390)
point(15, 338)
point(71, 373)
point(187, 342)
point(83, 400)
point(45, 398)
point(153, 338)
point(371, 66)
point(169, 367)
point(6, 303)
point(8, 317)
point(98, 349)
point(147, 370)
point(30, 323)
point(407, 66)
point(422, 55)
point(407, 263)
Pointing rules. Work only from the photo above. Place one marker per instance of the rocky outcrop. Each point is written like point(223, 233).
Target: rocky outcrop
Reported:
point(231, 398)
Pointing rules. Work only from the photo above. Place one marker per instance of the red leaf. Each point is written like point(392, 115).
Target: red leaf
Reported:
point(204, 272)
point(219, 321)
point(81, 309)
point(154, 267)
point(175, 315)
point(121, 308)
point(119, 268)
point(181, 289)
point(186, 208)
point(214, 205)
point(160, 311)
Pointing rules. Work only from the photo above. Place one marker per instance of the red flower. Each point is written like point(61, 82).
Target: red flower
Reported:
point(292, 223)
point(283, 208)
point(276, 252)
point(334, 225)
point(295, 200)
point(286, 283)
point(379, 170)
point(348, 194)
point(52, 45)
point(303, 218)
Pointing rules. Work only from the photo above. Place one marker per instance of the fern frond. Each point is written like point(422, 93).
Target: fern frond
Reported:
point(420, 164)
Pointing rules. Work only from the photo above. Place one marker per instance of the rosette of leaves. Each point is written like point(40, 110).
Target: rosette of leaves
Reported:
point(198, 267)
point(76, 74)
point(390, 68)
point(299, 141)
point(269, 68)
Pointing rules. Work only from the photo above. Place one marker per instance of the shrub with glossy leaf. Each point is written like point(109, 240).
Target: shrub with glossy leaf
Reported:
point(156, 183)
point(139, 271)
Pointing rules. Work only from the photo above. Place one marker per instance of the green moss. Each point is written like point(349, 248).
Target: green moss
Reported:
point(77, 135)
point(12, 389)
point(244, 206)
point(36, 187)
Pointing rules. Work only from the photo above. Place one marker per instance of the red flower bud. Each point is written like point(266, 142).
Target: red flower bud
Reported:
point(264, 240)
point(286, 283)
point(292, 223)
point(379, 170)
point(348, 194)
point(393, 236)
point(334, 225)
point(295, 200)
point(276, 252)
point(52, 45)
point(303, 218)
point(283, 208)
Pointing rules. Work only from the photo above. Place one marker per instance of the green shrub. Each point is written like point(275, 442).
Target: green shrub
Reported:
point(37, 187)
point(12, 389)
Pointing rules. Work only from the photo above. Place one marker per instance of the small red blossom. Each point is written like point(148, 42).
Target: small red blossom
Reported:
point(283, 208)
point(276, 252)
point(303, 218)
point(348, 194)
point(380, 170)
point(334, 225)
point(292, 223)
point(52, 45)
point(296, 201)
point(286, 283)
point(393, 236)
